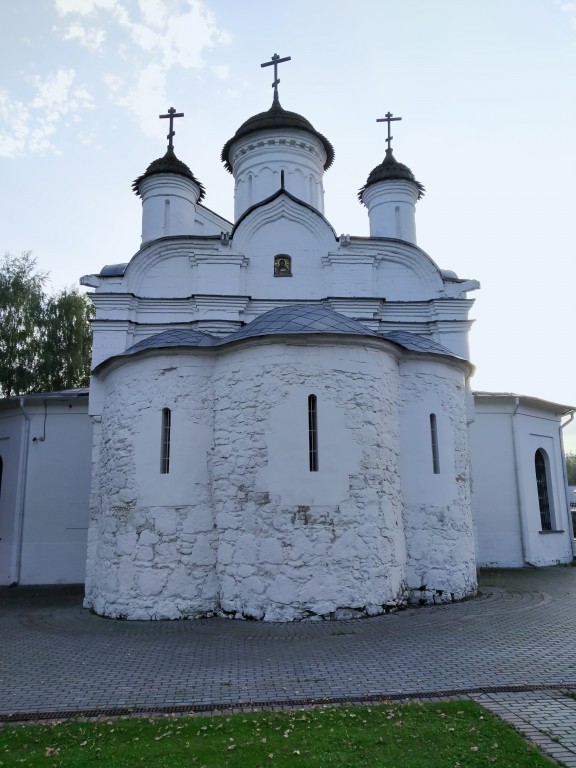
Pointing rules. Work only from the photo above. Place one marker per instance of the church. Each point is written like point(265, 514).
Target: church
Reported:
point(281, 420)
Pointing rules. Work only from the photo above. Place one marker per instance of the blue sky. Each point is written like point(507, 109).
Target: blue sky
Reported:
point(486, 94)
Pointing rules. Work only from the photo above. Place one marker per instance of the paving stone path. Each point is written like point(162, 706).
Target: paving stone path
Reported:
point(513, 649)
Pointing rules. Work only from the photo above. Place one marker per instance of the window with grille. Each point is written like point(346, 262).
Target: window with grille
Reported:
point(434, 439)
point(165, 441)
point(313, 433)
point(542, 485)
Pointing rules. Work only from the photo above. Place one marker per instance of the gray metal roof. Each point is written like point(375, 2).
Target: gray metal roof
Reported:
point(300, 318)
point(417, 343)
point(113, 270)
point(293, 319)
point(182, 337)
point(32, 397)
point(513, 397)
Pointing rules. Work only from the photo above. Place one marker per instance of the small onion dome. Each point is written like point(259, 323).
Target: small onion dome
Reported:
point(276, 118)
point(168, 164)
point(391, 169)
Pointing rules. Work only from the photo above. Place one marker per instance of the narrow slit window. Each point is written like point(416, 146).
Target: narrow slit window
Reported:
point(313, 433)
point(166, 217)
point(165, 441)
point(398, 222)
point(434, 441)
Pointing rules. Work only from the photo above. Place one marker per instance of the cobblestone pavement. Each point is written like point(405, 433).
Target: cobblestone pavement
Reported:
point(513, 649)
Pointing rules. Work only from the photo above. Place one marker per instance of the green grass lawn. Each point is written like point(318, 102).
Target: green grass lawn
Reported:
point(454, 734)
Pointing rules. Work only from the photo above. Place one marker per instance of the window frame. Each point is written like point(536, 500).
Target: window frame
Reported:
point(165, 439)
point(313, 433)
point(434, 444)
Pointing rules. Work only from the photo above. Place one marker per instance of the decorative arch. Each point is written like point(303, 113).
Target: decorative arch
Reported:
point(159, 254)
point(283, 206)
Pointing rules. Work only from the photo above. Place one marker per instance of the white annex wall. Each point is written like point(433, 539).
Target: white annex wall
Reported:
point(57, 492)
point(45, 490)
point(505, 436)
point(495, 491)
point(12, 427)
point(543, 547)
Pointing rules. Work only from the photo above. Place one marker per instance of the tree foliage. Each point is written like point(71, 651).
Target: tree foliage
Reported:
point(66, 342)
point(45, 340)
point(571, 468)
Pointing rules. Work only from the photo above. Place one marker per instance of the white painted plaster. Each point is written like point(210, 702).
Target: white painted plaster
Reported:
point(45, 490)
point(258, 160)
point(505, 435)
point(168, 205)
point(392, 209)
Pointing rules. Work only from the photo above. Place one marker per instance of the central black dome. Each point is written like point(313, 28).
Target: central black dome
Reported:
point(276, 118)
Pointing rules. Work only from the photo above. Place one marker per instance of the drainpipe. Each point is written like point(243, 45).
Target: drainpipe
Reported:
point(524, 531)
point(565, 476)
point(20, 498)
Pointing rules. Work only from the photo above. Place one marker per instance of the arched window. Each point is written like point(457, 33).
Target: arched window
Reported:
point(434, 439)
point(313, 433)
point(540, 462)
point(165, 441)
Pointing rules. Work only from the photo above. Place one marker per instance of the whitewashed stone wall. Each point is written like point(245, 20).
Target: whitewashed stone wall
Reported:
point(152, 544)
point(240, 526)
point(296, 543)
point(437, 506)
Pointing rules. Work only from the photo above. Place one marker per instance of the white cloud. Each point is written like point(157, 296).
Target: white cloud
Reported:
point(155, 13)
point(174, 38)
point(144, 41)
point(114, 83)
point(142, 97)
point(570, 10)
point(175, 32)
point(30, 125)
point(221, 71)
point(83, 7)
point(16, 115)
point(52, 91)
point(91, 39)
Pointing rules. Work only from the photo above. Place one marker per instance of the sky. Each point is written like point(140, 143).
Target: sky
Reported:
point(486, 92)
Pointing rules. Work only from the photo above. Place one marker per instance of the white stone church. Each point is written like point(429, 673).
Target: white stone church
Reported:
point(280, 421)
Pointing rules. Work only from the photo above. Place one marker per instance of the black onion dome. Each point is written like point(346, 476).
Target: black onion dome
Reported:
point(168, 164)
point(276, 118)
point(391, 169)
